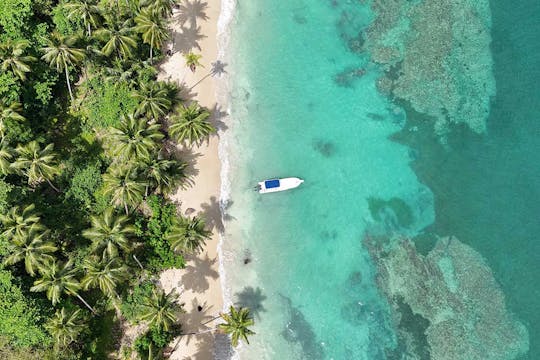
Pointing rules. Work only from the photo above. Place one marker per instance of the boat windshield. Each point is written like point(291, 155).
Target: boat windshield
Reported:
point(270, 184)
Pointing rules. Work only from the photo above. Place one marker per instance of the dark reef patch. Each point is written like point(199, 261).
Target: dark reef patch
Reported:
point(299, 330)
point(347, 77)
point(325, 148)
point(394, 212)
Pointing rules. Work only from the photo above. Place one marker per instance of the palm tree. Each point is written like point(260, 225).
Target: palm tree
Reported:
point(162, 7)
point(6, 156)
point(135, 139)
point(61, 53)
point(65, 326)
point(58, 278)
point(123, 184)
point(85, 10)
point(153, 99)
point(36, 164)
point(118, 39)
point(192, 61)
point(12, 57)
point(160, 309)
point(189, 235)
point(11, 112)
point(150, 25)
point(109, 233)
point(32, 247)
point(191, 124)
point(164, 174)
point(236, 324)
point(17, 222)
point(105, 274)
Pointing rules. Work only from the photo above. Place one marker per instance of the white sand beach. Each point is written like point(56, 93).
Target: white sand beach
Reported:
point(194, 28)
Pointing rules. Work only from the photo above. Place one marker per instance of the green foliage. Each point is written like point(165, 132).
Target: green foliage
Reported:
point(237, 323)
point(20, 318)
point(64, 25)
point(5, 189)
point(153, 232)
point(132, 304)
point(84, 184)
point(44, 88)
point(14, 16)
point(10, 88)
point(49, 60)
point(107, 102)
point(154, 340)
point(10, 352)
point(104, 329)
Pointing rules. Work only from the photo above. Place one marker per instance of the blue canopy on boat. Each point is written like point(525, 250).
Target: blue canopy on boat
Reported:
point(269, 184)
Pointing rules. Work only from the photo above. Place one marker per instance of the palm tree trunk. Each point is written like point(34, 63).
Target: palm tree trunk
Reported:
point(200, 81)
point(50, 183)
point(68, 84)
point(138, 262)
point(85, 303)
point(89, 29)
point(212, 319)
point(126, 208)
point(151, 54)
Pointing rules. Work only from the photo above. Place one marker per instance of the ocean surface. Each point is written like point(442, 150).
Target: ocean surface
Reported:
point(416, 127)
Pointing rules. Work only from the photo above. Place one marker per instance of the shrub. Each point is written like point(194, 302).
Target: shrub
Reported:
point(84, 183)
point(155, 337)
point(153, 231)
point(20, 318)
point(5, 189)
point(107, 102)
point(131, 305)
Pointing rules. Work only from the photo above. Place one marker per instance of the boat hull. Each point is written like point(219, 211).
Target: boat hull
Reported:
point(276, 185)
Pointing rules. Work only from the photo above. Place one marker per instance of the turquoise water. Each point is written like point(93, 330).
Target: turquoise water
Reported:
point(305, 101)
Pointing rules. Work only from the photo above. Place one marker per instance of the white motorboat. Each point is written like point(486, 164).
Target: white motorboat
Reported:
point(275, 185)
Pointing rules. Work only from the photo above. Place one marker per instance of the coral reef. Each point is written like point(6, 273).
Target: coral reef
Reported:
point(437, 57)
point(447, 302)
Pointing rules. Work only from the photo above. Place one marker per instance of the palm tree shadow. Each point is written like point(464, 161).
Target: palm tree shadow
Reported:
point(189, 157)
point(216, 116)
point(252, 299)
point(186, 93)
point(197, 273)
point(191, 11)
point(187, 39)
point(223, 349)
point(198, 320)
point(212, 215)
point(225, 206)
point(212, 346)
point(218, 68)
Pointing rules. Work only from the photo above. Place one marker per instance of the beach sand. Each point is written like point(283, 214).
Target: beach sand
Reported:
point(194, 28)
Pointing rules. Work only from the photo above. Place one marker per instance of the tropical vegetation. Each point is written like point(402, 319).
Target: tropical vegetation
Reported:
point(88, 161)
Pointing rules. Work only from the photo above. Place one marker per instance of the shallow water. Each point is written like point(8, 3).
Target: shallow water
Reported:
point(304, 102)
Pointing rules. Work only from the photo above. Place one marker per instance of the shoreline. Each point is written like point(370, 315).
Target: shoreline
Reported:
point(199, 283)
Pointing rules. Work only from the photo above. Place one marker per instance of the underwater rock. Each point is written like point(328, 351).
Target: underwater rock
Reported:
point(355, 279)
point(395, 212)
point(354, 313)
point(442, 48)
point(454, 290)
point(346, 78)
point(325, 148)
point(375, 117)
